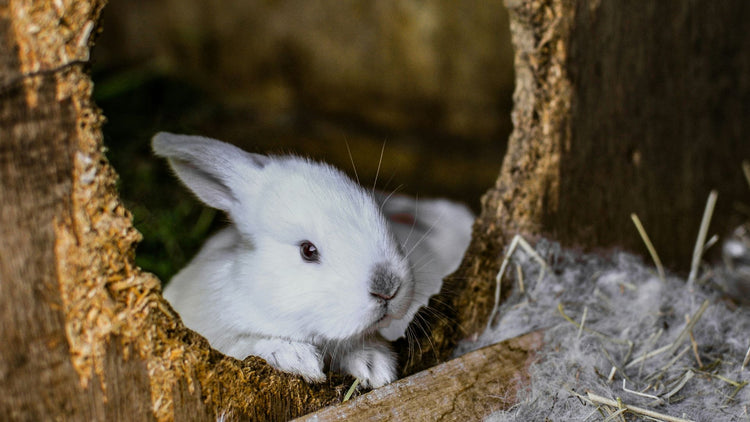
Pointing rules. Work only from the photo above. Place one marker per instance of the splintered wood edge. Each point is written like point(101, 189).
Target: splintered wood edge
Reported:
point(467, 388)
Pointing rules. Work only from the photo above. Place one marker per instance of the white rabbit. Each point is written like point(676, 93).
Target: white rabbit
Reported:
point(306, 275)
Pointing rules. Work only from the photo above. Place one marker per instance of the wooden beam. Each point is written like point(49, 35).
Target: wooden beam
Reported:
point(467, 388)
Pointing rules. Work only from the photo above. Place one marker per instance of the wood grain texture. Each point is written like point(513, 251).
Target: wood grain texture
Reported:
point(468, 388)
point(660, 104)
point(37, 378)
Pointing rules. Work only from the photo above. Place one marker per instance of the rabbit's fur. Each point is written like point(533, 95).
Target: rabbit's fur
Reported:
point(255, 288)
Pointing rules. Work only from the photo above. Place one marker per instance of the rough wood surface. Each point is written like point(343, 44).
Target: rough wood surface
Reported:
point(659, 117)
point(37, 122)
point(465, 389)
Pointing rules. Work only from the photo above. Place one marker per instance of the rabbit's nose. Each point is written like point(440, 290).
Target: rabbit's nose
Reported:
point(385, 283)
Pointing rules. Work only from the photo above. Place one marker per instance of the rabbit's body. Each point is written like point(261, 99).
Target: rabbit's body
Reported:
point(306, 275)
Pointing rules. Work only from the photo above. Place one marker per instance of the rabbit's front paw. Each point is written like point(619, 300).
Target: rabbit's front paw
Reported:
point(292, 356)
point(374, 364)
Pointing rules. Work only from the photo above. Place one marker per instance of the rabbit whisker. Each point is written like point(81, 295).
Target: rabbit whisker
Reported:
point(377, 173)
point(352, 160)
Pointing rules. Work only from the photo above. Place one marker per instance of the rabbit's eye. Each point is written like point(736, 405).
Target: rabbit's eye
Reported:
point(308, 251)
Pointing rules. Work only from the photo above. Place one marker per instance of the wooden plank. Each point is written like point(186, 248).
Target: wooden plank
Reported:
point(467, 388)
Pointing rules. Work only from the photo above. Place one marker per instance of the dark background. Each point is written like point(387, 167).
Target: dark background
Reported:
point(429, 83)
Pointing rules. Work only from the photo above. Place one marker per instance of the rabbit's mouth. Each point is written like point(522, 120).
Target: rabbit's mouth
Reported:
point(384, 321)
point(390, 315)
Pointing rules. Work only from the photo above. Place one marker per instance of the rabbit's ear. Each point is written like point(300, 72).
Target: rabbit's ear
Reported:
point(217, 172)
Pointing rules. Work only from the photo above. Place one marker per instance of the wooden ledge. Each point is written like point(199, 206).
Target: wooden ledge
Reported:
point(467, 388)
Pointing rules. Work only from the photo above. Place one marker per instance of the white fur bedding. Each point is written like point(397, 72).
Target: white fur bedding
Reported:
point(626, 304)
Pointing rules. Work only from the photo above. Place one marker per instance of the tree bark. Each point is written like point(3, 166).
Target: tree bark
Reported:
point(617, 109)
